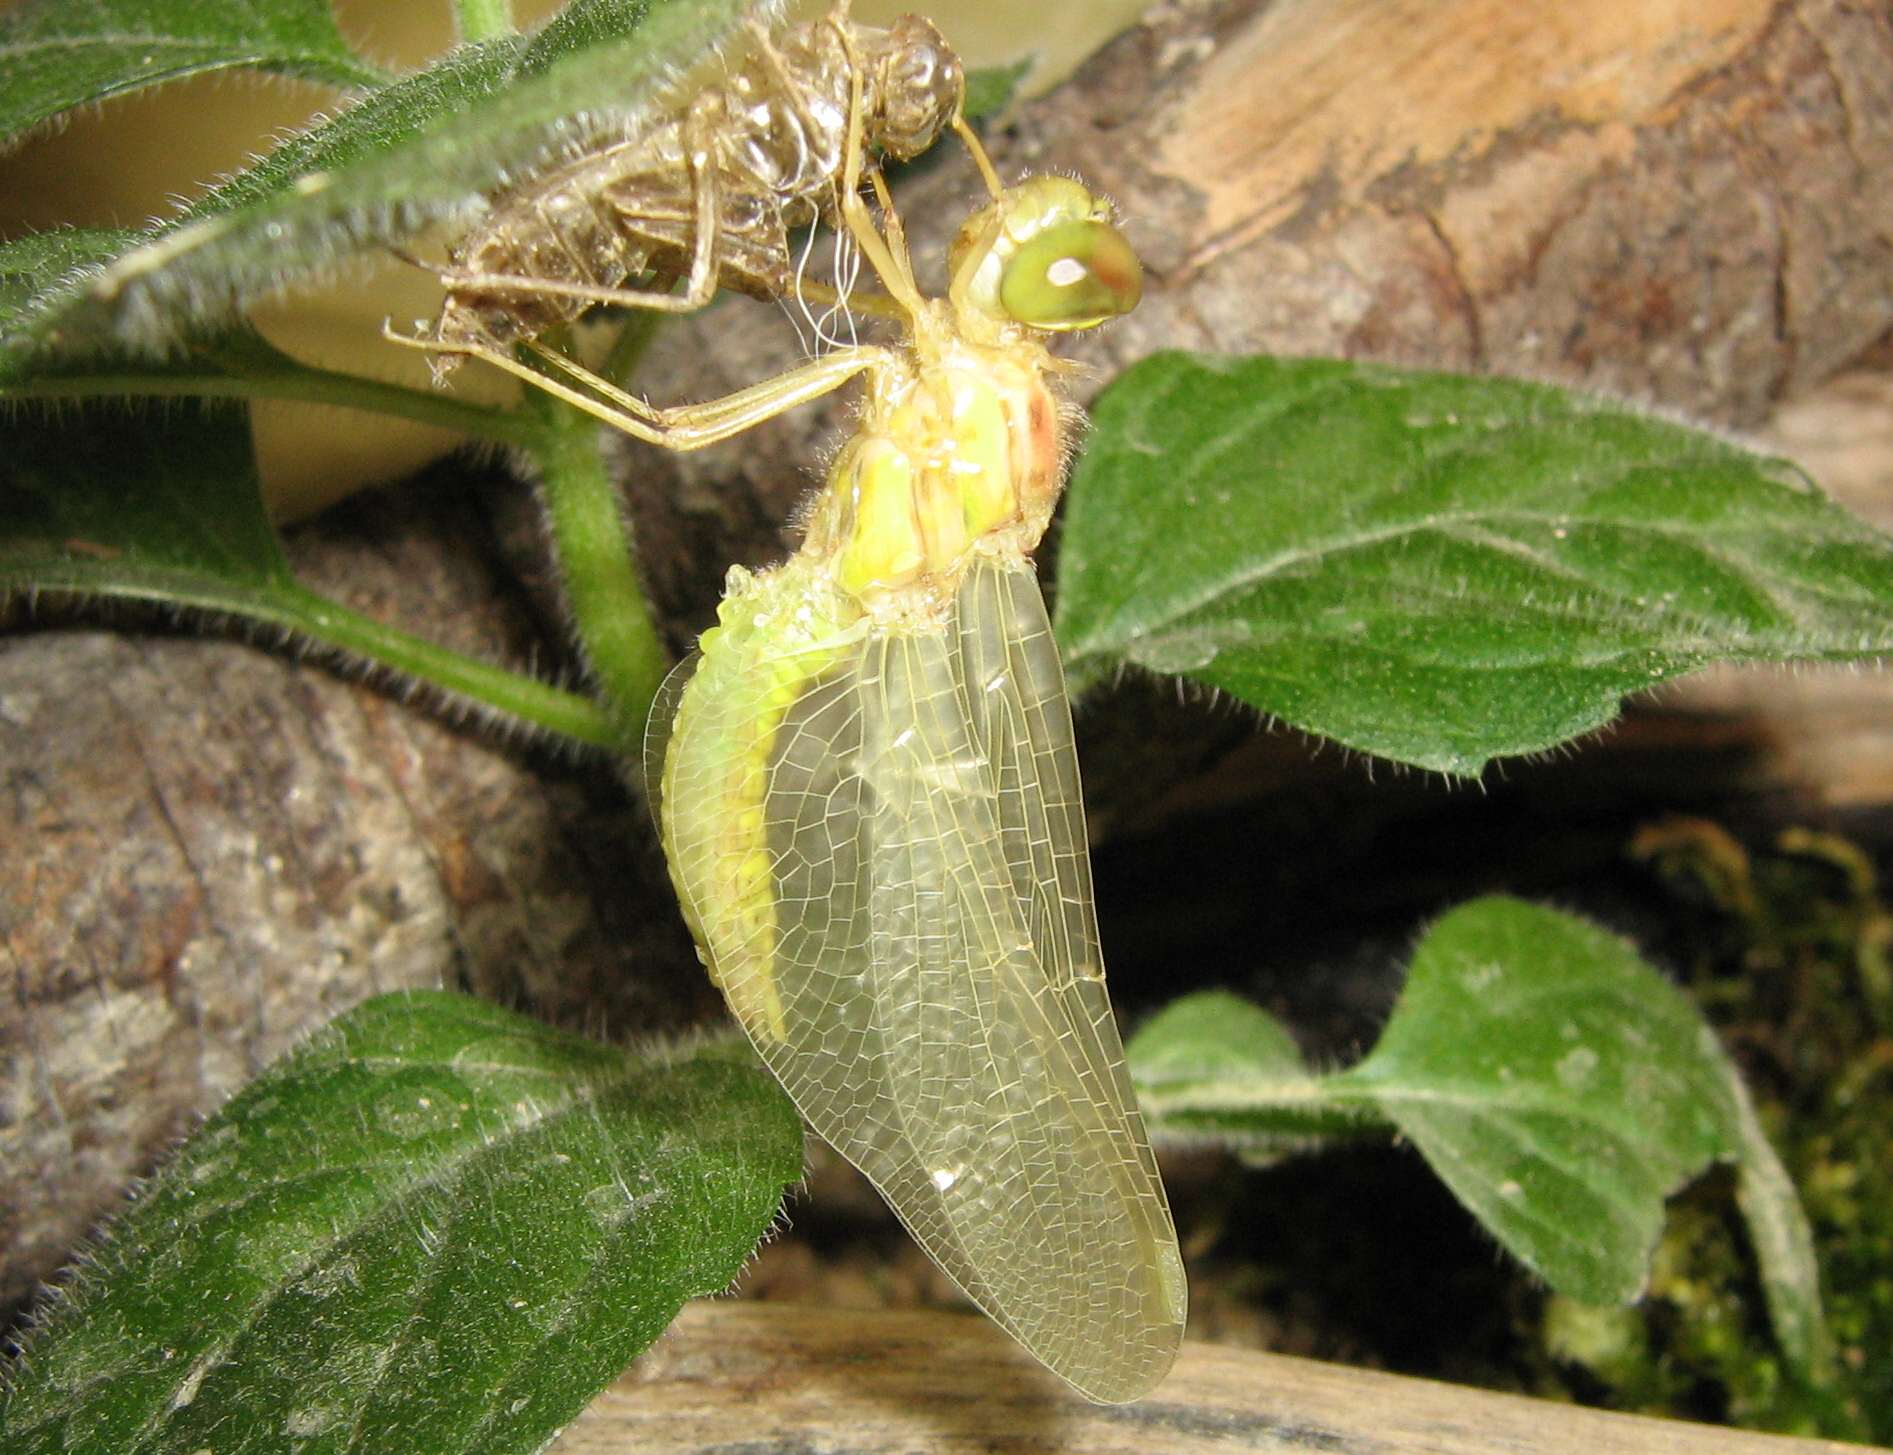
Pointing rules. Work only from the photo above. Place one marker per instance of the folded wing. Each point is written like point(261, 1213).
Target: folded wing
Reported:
point(943, 1018)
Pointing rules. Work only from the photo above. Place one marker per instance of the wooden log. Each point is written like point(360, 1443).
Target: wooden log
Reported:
point(774, 1377)
point(206, 850)
point(1667, 200)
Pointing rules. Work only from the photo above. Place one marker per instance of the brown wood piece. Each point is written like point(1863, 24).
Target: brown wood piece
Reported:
point(775, 1377)
point(1684, 201)
point(207, 850)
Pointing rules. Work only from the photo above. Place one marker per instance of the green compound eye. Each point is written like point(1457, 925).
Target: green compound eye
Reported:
point(1071, 275)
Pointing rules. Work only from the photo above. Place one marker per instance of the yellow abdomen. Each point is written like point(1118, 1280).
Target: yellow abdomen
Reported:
point(776, 634)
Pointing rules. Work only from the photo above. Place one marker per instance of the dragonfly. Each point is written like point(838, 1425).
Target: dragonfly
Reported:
point(707, 196)
point(868, 794)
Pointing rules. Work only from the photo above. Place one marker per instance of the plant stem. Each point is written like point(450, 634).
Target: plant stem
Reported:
point(627, 349)
point(482, 683)
point(592, 540)
point(300, 383)
point(483, 19)
point(285, 603)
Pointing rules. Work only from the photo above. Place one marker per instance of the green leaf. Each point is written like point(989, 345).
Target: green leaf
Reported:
point(436, 1227)
point(1560, 1086)
point(1784, 1246)
point(1213, 1064)
point(55, 55)
point(162, 504)
point(991, 88)
point(235, 364)
point(45, 261)
point(415, 152)
point(159, 503)
point(1439, 569)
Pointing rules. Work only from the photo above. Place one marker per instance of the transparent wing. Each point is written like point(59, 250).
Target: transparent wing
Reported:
point(657, 731)
point(943, 1020)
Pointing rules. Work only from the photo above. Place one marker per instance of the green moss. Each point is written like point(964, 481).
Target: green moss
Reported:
point(1790, 959)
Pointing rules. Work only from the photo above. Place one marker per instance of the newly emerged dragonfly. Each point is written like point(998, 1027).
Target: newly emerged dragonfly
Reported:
point(870, 805)
point(869, 792)
point(707, 196)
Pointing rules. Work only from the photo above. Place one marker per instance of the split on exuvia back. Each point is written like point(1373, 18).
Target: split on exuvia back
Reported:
point(706, 195)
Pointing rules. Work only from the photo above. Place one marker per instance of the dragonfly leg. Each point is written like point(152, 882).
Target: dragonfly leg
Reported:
point(896, 272)
point(977, 150)
point(692, 426)
point(707, 182)
point(682, 427)
point(879, 305)
point(524, 285)
point(890, 220)
point(700, 282)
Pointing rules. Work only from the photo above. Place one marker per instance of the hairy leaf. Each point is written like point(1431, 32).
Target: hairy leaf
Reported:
point(1554, 1081)
point(55, 55)
point(415, 152)
point(1440, 569)
point(1215, 1065)
point(437, 1227)
point(46, 261)
point(1557, 1084)
point(155, 501)
point(160, 502)
point(990, 89)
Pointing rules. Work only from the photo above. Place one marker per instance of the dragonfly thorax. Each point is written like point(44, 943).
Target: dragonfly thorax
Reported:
point(958, 456)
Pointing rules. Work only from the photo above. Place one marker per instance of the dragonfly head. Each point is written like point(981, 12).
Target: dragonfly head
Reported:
point(918, 86)
point(1046, 255)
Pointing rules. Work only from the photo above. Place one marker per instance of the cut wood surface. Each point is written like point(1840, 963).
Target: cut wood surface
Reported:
point(763, 1378)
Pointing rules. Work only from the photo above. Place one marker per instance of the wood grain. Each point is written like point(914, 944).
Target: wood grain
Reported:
point(1354, 92)
point(763, 1378)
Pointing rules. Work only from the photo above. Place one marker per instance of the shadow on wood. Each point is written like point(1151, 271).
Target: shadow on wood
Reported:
point(774, 1377)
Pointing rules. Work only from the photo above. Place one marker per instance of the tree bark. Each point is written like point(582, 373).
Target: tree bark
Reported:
point(209, 849)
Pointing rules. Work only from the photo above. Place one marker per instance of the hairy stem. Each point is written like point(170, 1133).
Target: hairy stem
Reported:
point(592, 540)
point(483, 19)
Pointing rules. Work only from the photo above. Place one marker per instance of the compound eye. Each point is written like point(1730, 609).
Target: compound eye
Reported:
point(1071, 275)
